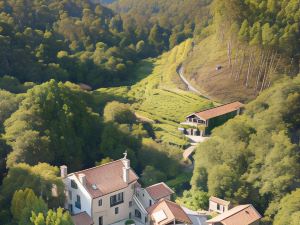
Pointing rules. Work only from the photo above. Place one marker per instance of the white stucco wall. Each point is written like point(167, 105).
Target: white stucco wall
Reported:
point(107, 212)
point(86, 200)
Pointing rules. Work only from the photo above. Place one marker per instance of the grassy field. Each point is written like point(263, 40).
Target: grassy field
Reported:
point(159, 94)
point(218, 85)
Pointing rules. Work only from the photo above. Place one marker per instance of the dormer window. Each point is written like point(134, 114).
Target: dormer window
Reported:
point(73, 184)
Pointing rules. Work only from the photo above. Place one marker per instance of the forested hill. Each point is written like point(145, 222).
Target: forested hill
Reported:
point(253, 42)
point(255, 158)
point(74, 40)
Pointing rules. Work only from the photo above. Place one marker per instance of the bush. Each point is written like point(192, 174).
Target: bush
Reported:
point(129, 222)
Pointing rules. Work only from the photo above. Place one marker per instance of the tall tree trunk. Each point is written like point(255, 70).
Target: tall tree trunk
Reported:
point(248, 71)
point(237, 76)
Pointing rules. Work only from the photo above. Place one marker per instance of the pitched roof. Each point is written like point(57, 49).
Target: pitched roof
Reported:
point(219, 110)
point(219, 200)
point(239, 215)
point(158, 191)
point(82, 219)
point(107, 178)
point(165, 211)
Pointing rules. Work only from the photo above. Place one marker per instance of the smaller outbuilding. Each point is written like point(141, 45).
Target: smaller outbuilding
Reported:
point(239, 215)
point(203, 122)
point(218, 205)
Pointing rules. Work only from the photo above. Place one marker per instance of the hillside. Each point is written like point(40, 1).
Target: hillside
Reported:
point(160, 95)
point(254, 158)
point(252, 43)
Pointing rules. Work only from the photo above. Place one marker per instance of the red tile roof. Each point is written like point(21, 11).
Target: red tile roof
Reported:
point(82, 219)
point(219, 111)
point(219, 201)
point(171, 210)
point(107, 178)
point(239, 215)
point(158, 191)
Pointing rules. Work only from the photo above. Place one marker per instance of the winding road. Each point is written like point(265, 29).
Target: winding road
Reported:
point(188, 84)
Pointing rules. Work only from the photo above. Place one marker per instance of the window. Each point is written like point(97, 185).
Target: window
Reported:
point(150, 202)
point(117, 210)
point(146, 219)
point(70, 208)
point(137, 214)
point(116, 199)
point(130, 215)
point(130, 204)
point(78, 202)
point(101, 220)
point(73, 184)
point(70, 195)
point(100, 202)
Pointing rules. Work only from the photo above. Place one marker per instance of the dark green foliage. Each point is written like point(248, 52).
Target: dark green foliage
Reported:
point(163, 24)
point(53, 124)
point(119, 112)
point(255, 157)
point(39, 178)
point(24, 203)
point(60, 39)
point(151, 176)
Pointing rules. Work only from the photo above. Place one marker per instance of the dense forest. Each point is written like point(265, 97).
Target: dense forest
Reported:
point(255, 157)
point(54, 52)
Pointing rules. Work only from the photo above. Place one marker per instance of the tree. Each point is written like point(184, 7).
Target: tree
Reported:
point(222, 181)
point(151, 176)
point(244, 32)
point(41, 178)
point(25, 202)
point(119, 112)
point(194, 199)
point(54, 124)
point(30, 148)
point(52, 217)
point(289, 208)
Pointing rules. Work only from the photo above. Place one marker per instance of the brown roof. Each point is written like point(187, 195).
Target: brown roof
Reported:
point(107, 178)
point(82, 219)
point(219, 111)
point(219, 200)
point(158, 191)
point(239, 215)
point(171, 210)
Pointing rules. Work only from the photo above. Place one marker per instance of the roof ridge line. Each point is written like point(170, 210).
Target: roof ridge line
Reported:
point(217, 107)
point(94, 167)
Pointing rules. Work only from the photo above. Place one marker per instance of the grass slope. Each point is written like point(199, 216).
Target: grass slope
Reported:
point(159, 96)
point(218, 85)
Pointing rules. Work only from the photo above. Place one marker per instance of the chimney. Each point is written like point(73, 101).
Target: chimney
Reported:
point(63, 171)
point(82, 179)
point(126, 168)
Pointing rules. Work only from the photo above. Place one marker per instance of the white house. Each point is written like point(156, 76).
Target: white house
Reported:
point(110, 193)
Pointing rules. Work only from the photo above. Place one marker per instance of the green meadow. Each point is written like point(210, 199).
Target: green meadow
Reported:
point(158, 94)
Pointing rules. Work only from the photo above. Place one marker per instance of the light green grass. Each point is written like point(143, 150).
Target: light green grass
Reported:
point(159, 96)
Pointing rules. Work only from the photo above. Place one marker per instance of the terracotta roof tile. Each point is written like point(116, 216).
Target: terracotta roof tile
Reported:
point(220, 110)
point(239, 215)
point(171, 210)
point(82, 219)
point(107, 178)
point(219, 201)
point(158, 191)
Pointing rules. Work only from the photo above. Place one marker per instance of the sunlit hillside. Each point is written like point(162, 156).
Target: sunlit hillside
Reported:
point(160, 96)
